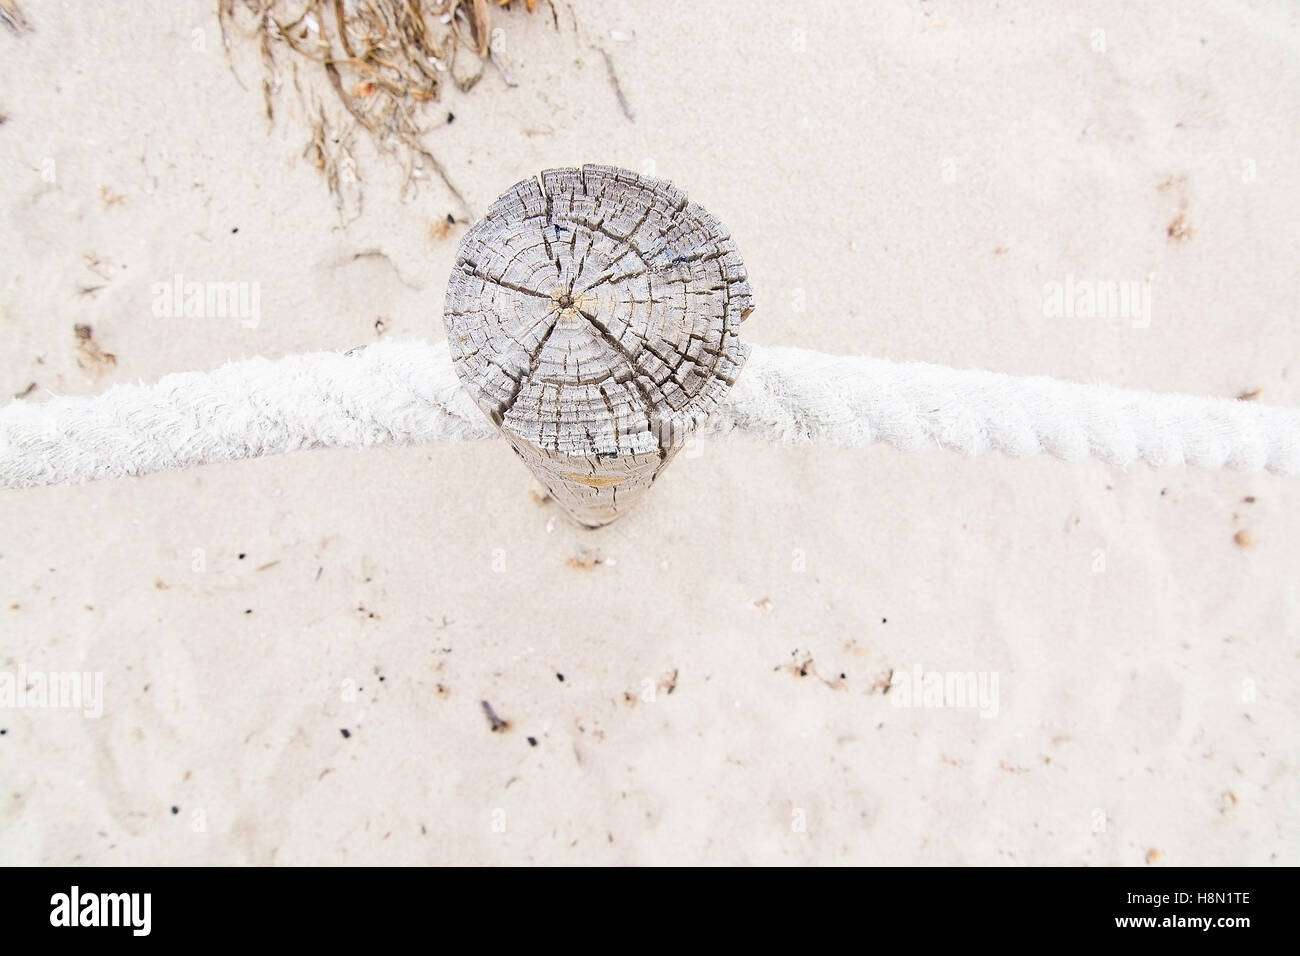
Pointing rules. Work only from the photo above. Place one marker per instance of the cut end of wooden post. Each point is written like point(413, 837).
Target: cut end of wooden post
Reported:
point(594, 315)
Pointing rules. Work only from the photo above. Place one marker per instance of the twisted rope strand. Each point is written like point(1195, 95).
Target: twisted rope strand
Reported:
point(407, 392)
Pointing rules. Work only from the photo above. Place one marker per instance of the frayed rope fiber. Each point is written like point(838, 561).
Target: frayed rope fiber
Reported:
point(406, 392)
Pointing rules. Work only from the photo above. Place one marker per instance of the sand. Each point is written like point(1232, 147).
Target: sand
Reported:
point(295, 651)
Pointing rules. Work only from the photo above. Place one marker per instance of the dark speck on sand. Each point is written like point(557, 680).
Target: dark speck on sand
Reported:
point(494, 721)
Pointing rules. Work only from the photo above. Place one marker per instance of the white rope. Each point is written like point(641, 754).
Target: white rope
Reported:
point(794, 395)
point(403, 392)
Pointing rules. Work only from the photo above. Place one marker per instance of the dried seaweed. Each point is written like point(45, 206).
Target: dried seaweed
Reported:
point(90, 356)
point(384, 61)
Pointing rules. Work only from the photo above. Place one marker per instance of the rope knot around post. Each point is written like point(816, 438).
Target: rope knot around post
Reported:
point(593, 315)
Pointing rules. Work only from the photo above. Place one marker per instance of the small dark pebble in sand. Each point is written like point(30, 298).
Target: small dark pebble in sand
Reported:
point(560, 678)
point(884, 620)
point(345, 732)
point(242, 556)
point(532, 741)
point(234, 230)
point(248, 610)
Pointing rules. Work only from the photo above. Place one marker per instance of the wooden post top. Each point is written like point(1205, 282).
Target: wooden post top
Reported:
point(594, 315)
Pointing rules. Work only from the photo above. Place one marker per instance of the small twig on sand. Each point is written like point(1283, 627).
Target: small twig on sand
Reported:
point(613, 81)
point(13, 18)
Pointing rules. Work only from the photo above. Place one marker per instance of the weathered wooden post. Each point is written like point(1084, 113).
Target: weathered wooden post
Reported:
point(594, 316)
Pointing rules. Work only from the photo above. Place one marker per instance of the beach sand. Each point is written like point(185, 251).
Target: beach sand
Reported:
point(295, 651)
